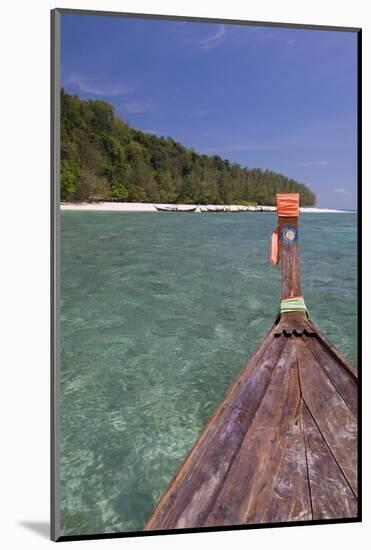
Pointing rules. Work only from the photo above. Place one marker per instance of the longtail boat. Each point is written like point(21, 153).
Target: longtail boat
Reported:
point(164, 208)
point(216, 208)
point(174, 208)
point(282, 445)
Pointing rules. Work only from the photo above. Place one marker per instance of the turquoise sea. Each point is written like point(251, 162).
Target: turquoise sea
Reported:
point(159, 312)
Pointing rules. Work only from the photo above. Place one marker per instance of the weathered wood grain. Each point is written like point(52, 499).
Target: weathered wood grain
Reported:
point(294, 323)
point(191, 495)
point(330, 492)
point(290, 500)
point(343, 361)
point(247, 488)
point(334, 418)
point(290, 265)
point(342, 379)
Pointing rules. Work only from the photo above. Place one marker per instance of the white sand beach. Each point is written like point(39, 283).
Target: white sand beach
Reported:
point(149, 207)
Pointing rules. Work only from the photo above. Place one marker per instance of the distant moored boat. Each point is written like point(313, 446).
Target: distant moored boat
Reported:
point(216, 209)
point(174, 208)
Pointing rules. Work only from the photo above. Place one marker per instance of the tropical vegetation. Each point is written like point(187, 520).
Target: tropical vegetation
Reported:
point(104, 158)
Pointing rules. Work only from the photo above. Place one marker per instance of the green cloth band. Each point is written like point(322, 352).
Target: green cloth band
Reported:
point(293, 304)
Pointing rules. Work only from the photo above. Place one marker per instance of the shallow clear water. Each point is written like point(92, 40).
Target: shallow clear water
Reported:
point(159, 313)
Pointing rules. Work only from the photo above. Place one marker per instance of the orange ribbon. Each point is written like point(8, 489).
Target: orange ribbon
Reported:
point(275, 247)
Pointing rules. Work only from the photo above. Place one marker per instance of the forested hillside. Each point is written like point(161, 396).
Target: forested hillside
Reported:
point(102, 157)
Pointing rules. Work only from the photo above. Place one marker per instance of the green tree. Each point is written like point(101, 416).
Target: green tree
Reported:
point(70, 176)
point(102, 156)
point(91, 187)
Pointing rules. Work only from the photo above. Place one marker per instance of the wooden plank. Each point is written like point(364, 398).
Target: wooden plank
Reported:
point(293, 323)
point(338, 356)
point(290, 499)
point(341, 378)
point(247, 489)
point(191, 494)
point(331, 495)
point(290, 264)
point(334, 418)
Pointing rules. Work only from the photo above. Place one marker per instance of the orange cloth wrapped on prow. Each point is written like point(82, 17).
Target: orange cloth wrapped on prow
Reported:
point(275, 247)
point(287, 205)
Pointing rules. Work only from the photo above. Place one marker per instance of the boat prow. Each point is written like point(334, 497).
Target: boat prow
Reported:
point(282, 445)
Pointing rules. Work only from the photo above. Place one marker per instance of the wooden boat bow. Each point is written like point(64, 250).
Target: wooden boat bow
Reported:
point(288, 233)
point(282, 445)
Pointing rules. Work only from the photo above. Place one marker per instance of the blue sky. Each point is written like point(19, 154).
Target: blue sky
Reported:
point(271, 98)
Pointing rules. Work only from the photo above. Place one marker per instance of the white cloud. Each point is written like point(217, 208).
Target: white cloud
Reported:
point(314, 163)
point(136, 106)
point(210, 41)
point(343, 191)
point(97, 87)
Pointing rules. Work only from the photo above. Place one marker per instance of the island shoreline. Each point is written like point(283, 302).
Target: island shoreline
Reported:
point(150, 207)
